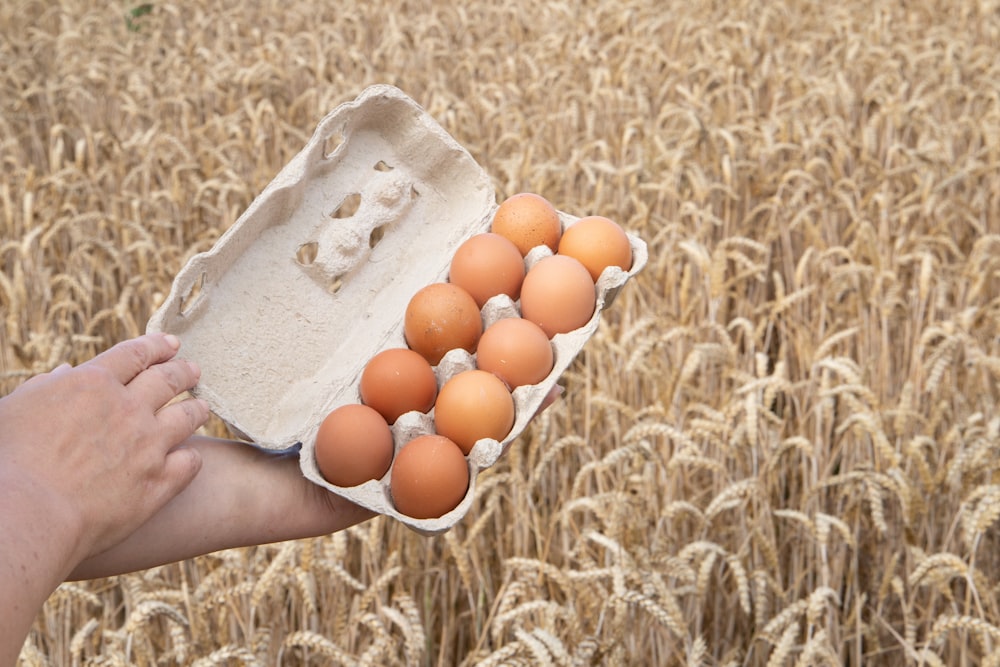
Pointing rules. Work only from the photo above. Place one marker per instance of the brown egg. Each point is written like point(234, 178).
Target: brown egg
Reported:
point(486, 265)
point(529, 220)
point(429, 477)
point(597, 242)
point(442, 317)
point(396, 381)
point(471, 405)
point(516, 350)
point(558, 295)
point(353, 445)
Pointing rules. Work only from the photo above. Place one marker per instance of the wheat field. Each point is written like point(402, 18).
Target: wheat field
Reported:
point(782, 446)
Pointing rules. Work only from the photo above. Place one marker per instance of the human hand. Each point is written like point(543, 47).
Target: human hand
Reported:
point(98, 443)
point(242, 496)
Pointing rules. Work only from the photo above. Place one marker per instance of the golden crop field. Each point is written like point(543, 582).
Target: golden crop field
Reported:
point(782, 446)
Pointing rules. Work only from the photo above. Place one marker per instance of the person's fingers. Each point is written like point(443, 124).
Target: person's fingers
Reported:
point(129, 358)
point(178, 421)
point(159, 384)
point(180, 468)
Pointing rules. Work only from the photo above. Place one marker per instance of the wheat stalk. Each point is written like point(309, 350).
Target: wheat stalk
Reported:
point(225, 655)
point(316, 643)
point(817, 320)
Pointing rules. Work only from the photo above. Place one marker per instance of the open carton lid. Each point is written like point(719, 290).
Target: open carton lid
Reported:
point(313, 280)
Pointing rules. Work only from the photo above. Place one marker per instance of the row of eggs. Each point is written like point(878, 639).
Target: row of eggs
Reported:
point(430, 473)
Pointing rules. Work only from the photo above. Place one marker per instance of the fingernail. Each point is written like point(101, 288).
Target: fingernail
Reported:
point(172, 340)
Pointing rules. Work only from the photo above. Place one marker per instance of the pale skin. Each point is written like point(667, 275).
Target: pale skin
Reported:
point(102, 473)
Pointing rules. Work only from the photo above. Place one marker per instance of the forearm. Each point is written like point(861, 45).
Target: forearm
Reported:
point(241, 497)
point(37, 550)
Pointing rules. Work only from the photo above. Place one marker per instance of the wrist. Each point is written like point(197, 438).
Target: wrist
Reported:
point(40, 545)
point(48, 525)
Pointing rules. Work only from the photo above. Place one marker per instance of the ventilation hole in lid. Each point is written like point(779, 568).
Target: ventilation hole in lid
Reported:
point(382, 166)
point(306, 253)
point(348, 207)
point(332, 143)
point(377, 235)
point(193, 294)
point(335, 285)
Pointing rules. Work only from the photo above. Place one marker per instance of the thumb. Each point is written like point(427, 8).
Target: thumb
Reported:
point(181, 467)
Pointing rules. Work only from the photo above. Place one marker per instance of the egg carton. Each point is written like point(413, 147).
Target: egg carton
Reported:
point(313, 280)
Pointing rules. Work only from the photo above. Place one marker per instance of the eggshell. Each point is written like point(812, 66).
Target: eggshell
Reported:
point(597, 242)
point(528, 220)
point(286, 309)
point(396, 381)
point(558, 295)
point(472, 405)
point(442, 317)
point(353, 445)
point(486, 265)
point(430, 477)
point(516, 350)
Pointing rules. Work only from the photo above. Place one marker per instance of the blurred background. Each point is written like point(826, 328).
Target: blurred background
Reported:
point(780, 448)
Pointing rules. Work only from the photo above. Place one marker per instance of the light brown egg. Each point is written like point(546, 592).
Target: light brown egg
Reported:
point(353, 445)
point(558, 295)
point(597, 242)
point(516, 350)
point(429, 477)
point(396, 381)
point(471, 405)
point(529, 220)
point(442, 317)
point(486, 265)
